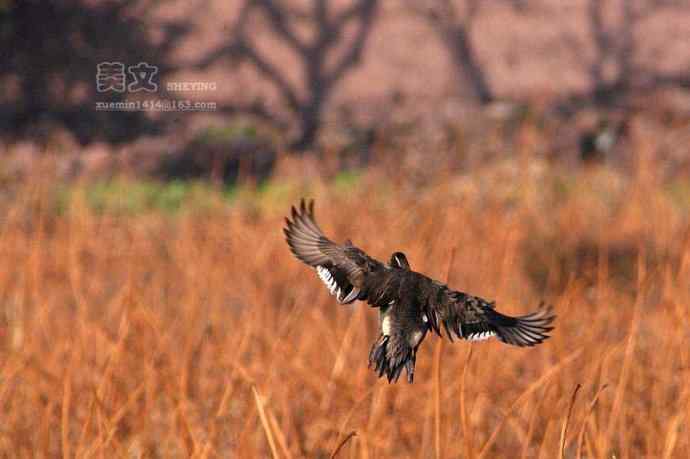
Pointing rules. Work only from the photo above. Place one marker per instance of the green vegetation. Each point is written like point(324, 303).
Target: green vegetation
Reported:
point(231, 132)
point(137, 196)
point(123, 196)
point(347, 180)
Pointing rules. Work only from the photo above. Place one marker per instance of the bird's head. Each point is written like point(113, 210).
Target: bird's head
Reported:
point(399, 260)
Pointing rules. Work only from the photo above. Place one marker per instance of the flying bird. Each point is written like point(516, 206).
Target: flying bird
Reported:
point(410, 304)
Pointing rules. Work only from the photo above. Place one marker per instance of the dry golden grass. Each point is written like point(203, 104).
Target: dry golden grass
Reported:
point(198, 334)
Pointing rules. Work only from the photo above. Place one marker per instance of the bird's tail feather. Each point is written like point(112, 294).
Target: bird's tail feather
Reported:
point(392, 366)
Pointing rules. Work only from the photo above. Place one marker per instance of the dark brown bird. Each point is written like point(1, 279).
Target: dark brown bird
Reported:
point(410, 304)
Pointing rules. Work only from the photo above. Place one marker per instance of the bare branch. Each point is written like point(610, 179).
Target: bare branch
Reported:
point(360, 9)
point(601, 39)
point(277, 15)
point(354, 53)
point(270, 72)
point(231, 51)
point(439, 12)
point(321, 12)
point(454, 28)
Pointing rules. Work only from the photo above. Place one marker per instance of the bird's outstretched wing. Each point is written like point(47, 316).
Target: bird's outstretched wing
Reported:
point(473, 318)
point(343, 268)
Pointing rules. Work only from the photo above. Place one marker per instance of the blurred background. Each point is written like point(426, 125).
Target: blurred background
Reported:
point(149, 306)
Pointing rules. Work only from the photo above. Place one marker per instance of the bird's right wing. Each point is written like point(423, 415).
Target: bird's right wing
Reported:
point(343, 268)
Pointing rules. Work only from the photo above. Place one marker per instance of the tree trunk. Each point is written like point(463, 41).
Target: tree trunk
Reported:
point(466, 62)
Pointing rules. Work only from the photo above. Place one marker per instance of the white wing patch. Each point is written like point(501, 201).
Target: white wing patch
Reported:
point(327, 278)
point(481, 336)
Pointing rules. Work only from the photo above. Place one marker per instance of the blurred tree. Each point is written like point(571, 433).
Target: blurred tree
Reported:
point(616, 72)
point(613, 28)
point(325, 58)
point(49, 53)
point(453, 21)
point(615, 68)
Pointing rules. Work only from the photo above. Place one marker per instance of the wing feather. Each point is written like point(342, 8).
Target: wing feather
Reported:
point(473, 318)
point(342, 268)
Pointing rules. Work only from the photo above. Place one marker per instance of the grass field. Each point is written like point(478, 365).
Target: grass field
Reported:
point(175, 330)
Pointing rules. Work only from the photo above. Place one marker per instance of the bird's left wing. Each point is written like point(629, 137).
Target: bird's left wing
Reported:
point(473, 318)
point(343, 268)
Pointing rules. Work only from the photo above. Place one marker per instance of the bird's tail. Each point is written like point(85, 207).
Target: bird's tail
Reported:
point(526, 330)
point(389, 358)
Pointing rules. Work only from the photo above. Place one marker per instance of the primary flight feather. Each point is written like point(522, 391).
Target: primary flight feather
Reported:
point(410, 304)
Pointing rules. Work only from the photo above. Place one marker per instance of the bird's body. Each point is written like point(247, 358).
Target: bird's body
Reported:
point(410, 303)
